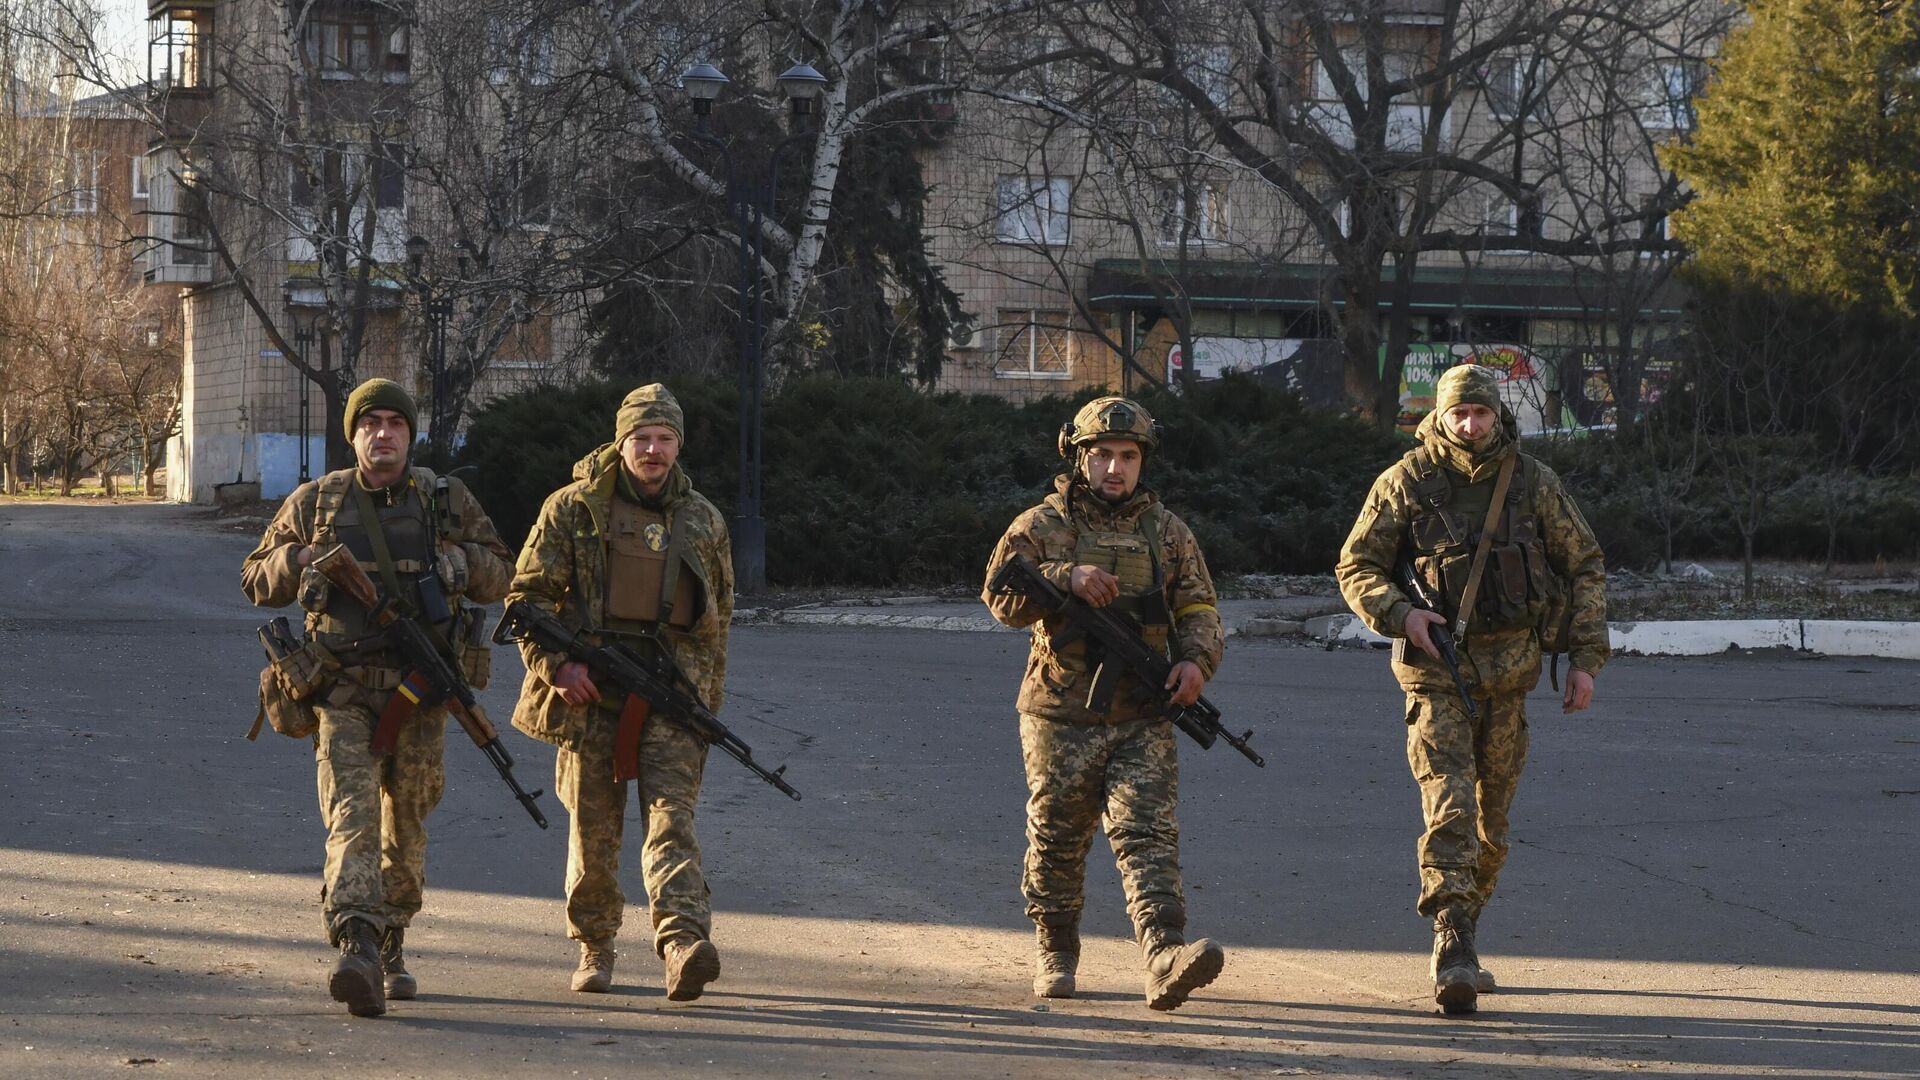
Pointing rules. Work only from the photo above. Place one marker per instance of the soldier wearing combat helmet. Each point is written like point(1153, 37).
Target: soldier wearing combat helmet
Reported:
point(630, 552)
point(1106, 539)
point(425, 541)
point(1495, 539)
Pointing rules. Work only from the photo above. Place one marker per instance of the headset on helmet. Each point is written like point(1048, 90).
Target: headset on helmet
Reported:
point(1108, 418)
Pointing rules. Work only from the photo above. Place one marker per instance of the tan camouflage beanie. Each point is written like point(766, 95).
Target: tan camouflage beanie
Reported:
point(381, 394)
point(651, 404)
point(1468, 384)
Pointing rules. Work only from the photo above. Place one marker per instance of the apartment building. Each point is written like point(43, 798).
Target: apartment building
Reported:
point(1082, 266)
point(290, 210)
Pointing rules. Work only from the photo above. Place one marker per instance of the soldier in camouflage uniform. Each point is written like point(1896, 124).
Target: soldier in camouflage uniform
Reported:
point(1543, 578)
point(429, 536)
point(630, 551)
point(1108, 541)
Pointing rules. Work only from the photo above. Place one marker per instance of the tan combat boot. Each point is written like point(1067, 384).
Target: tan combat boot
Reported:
point(1175, 968)
point(691, 964)
point(1455, 968)
point(1056, 957)
point(356, 975)
point(595, 973)
point(400, 984)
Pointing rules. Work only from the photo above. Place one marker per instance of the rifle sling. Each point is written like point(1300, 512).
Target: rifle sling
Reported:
point(389, 576)
point(1479, 567)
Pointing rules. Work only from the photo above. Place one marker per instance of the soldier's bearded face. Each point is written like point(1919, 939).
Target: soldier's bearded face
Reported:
point(1470, 422)
point(380, 440)
point(1112, 468)
point(650, 453)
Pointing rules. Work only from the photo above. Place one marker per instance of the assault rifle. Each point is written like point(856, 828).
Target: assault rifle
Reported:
point(431, 678)
point(1122, 649)
point(647, 683)
point(1422, 597)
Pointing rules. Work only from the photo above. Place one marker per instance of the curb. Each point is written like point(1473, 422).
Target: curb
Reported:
point(1707, 637)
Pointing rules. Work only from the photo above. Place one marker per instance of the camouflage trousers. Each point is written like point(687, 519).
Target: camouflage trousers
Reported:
point(1468, 770)
point(671, 763)
point(375, 808)
point(1076, 773)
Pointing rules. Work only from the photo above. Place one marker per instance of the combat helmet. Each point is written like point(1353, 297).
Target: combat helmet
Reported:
point(1109, 417)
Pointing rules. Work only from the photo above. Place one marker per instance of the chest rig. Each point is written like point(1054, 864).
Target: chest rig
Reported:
point(648, 585)
point(406, 525)
point(1134, 558)
point(1447, 526)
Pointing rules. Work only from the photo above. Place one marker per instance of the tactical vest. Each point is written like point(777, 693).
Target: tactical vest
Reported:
point(648, 581)
point(1134, 558)
point(410, 524)
point(1446, 528)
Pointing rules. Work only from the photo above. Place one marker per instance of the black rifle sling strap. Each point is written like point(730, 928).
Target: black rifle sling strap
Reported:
point(377, 537)
point(1479, 567)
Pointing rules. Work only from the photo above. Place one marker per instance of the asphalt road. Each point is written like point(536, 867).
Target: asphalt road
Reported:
point(1714, 870)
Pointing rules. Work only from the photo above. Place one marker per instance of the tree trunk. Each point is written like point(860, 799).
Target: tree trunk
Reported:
point(1360, 345)
point(1746, 584)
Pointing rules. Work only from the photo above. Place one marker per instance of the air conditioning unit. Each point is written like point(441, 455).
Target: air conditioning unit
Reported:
point(964, 335)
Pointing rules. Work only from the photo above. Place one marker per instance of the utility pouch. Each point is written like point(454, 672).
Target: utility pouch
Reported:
point(288, 686)
point(433, 599)
point(1510, 586)
point(476, 658)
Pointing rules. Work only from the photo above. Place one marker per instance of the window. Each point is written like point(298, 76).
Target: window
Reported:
point(1039, 345)
point(1033, 209)
point(1211, 69)
point(1175, 224)
point(525, 52)
point(82, 194)
point(1406, 116)
point(188, 227)
point(1655, 228)
point(528, 200)
point(1511, 85)
point(180, 49)
point(338, 172)
point(1505, 217)
point(345, 49)
point(139, 185)
point(1671, 88)
point(390, 176)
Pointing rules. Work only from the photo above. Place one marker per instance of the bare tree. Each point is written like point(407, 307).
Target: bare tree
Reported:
point(1368, 123)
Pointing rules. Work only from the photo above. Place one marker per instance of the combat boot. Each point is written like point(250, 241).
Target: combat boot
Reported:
point(691, 965)
point(356, 975)
point(595, 973)
point(400, 984)
point(1056, 958)
point(1455, 968)
point(1175, 968)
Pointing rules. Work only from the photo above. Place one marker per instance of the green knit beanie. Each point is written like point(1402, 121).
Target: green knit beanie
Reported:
point(381, 394)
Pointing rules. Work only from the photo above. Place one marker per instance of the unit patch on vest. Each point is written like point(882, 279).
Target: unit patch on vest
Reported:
point(655, 535)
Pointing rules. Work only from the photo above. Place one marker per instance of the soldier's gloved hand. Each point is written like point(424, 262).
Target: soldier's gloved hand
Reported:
point(452, 566)
point(1186, 682)
point(1418, 620)
point(1579, 693)
point(575, 685)
point(1094, 585)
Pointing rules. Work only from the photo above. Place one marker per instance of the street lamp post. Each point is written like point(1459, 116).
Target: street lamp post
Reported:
point(750, 198)
point(305, 336)
point(438, 308)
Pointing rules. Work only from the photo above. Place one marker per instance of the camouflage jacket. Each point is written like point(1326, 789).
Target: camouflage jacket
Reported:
point(562, 569)
point(1502, 660)
point(272, 576)
point(1055, 686)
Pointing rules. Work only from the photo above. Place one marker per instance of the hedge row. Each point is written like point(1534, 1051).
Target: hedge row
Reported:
point(870, 482)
